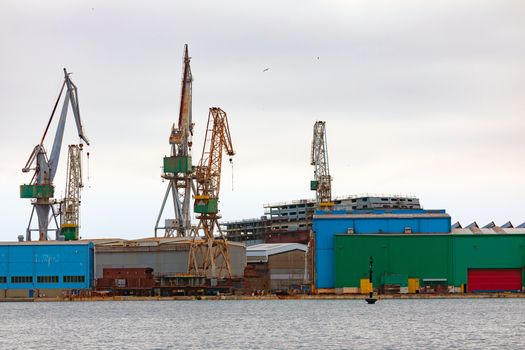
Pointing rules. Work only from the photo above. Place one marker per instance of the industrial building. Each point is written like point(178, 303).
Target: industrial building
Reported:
point(166, 256)
point(291, 222)
point(415, 247)
point(159, 266)
point(279, 267)
point(45, 268)
point(328, 224)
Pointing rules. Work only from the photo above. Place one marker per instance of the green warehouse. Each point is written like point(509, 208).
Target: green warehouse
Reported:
point(454, 262)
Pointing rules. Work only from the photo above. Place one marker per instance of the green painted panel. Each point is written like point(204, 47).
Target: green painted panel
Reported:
point(418, 256)
point(177, 165)
point(313, 185)
point(209, 206)
point(37, 191)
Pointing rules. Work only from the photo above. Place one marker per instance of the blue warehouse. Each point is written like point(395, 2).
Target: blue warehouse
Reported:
point(376, 221)
point(29, 269)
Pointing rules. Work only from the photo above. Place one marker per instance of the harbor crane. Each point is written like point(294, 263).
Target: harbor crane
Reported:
point(177, 167)
point(70, 206)
point(322, 183)
point(209, 254)
point(41, 188)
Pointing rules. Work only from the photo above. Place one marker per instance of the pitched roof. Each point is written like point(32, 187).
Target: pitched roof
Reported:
point(261, 252)
point(457, 225)
point(490, 225)
point(474, 224)
point(508, 224)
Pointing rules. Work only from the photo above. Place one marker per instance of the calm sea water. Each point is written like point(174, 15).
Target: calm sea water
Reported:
point(290, 324)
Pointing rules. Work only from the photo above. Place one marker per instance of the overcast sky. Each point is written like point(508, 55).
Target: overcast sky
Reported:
point(419, 97)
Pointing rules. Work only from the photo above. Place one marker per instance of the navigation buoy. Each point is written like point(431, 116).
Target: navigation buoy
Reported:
point(371, 299)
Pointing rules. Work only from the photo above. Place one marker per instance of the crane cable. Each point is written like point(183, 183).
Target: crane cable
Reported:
point(231, 162)
point(87, 154)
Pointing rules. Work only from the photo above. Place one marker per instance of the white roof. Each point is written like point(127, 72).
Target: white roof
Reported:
point(261, 252)
point(497, 230)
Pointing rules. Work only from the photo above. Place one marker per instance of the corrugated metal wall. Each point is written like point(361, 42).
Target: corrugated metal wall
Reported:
point(162, 262)
point(47, 261)
point(286, 269)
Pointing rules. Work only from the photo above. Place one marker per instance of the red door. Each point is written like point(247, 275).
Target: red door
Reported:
point(494, 280)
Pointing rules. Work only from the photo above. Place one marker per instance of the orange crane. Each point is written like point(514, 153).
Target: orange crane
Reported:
point(209, 254)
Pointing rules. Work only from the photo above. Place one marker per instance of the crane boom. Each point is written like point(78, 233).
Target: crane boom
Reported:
point(71, 96)
point(217, 138)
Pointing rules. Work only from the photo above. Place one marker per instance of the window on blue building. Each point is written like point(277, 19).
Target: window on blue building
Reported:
point(74, 279)
point(21, 279)
point(47, 279)
point(3, 279)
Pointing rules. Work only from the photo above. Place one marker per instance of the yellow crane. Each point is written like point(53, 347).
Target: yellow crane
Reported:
point(322, 183)
point(209, 253)
point(70, 206)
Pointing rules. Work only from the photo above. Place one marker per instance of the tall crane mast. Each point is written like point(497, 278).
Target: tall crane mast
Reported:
point(177, 167)
point(322, 183)
point(209, 254)
point(41, 188)
point(70, 218)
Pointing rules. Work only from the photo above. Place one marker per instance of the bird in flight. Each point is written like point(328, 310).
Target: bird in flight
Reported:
point(266, 69)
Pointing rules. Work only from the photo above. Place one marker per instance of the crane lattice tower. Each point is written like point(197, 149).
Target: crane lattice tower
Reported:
point(322, 183)
point(70, 218)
